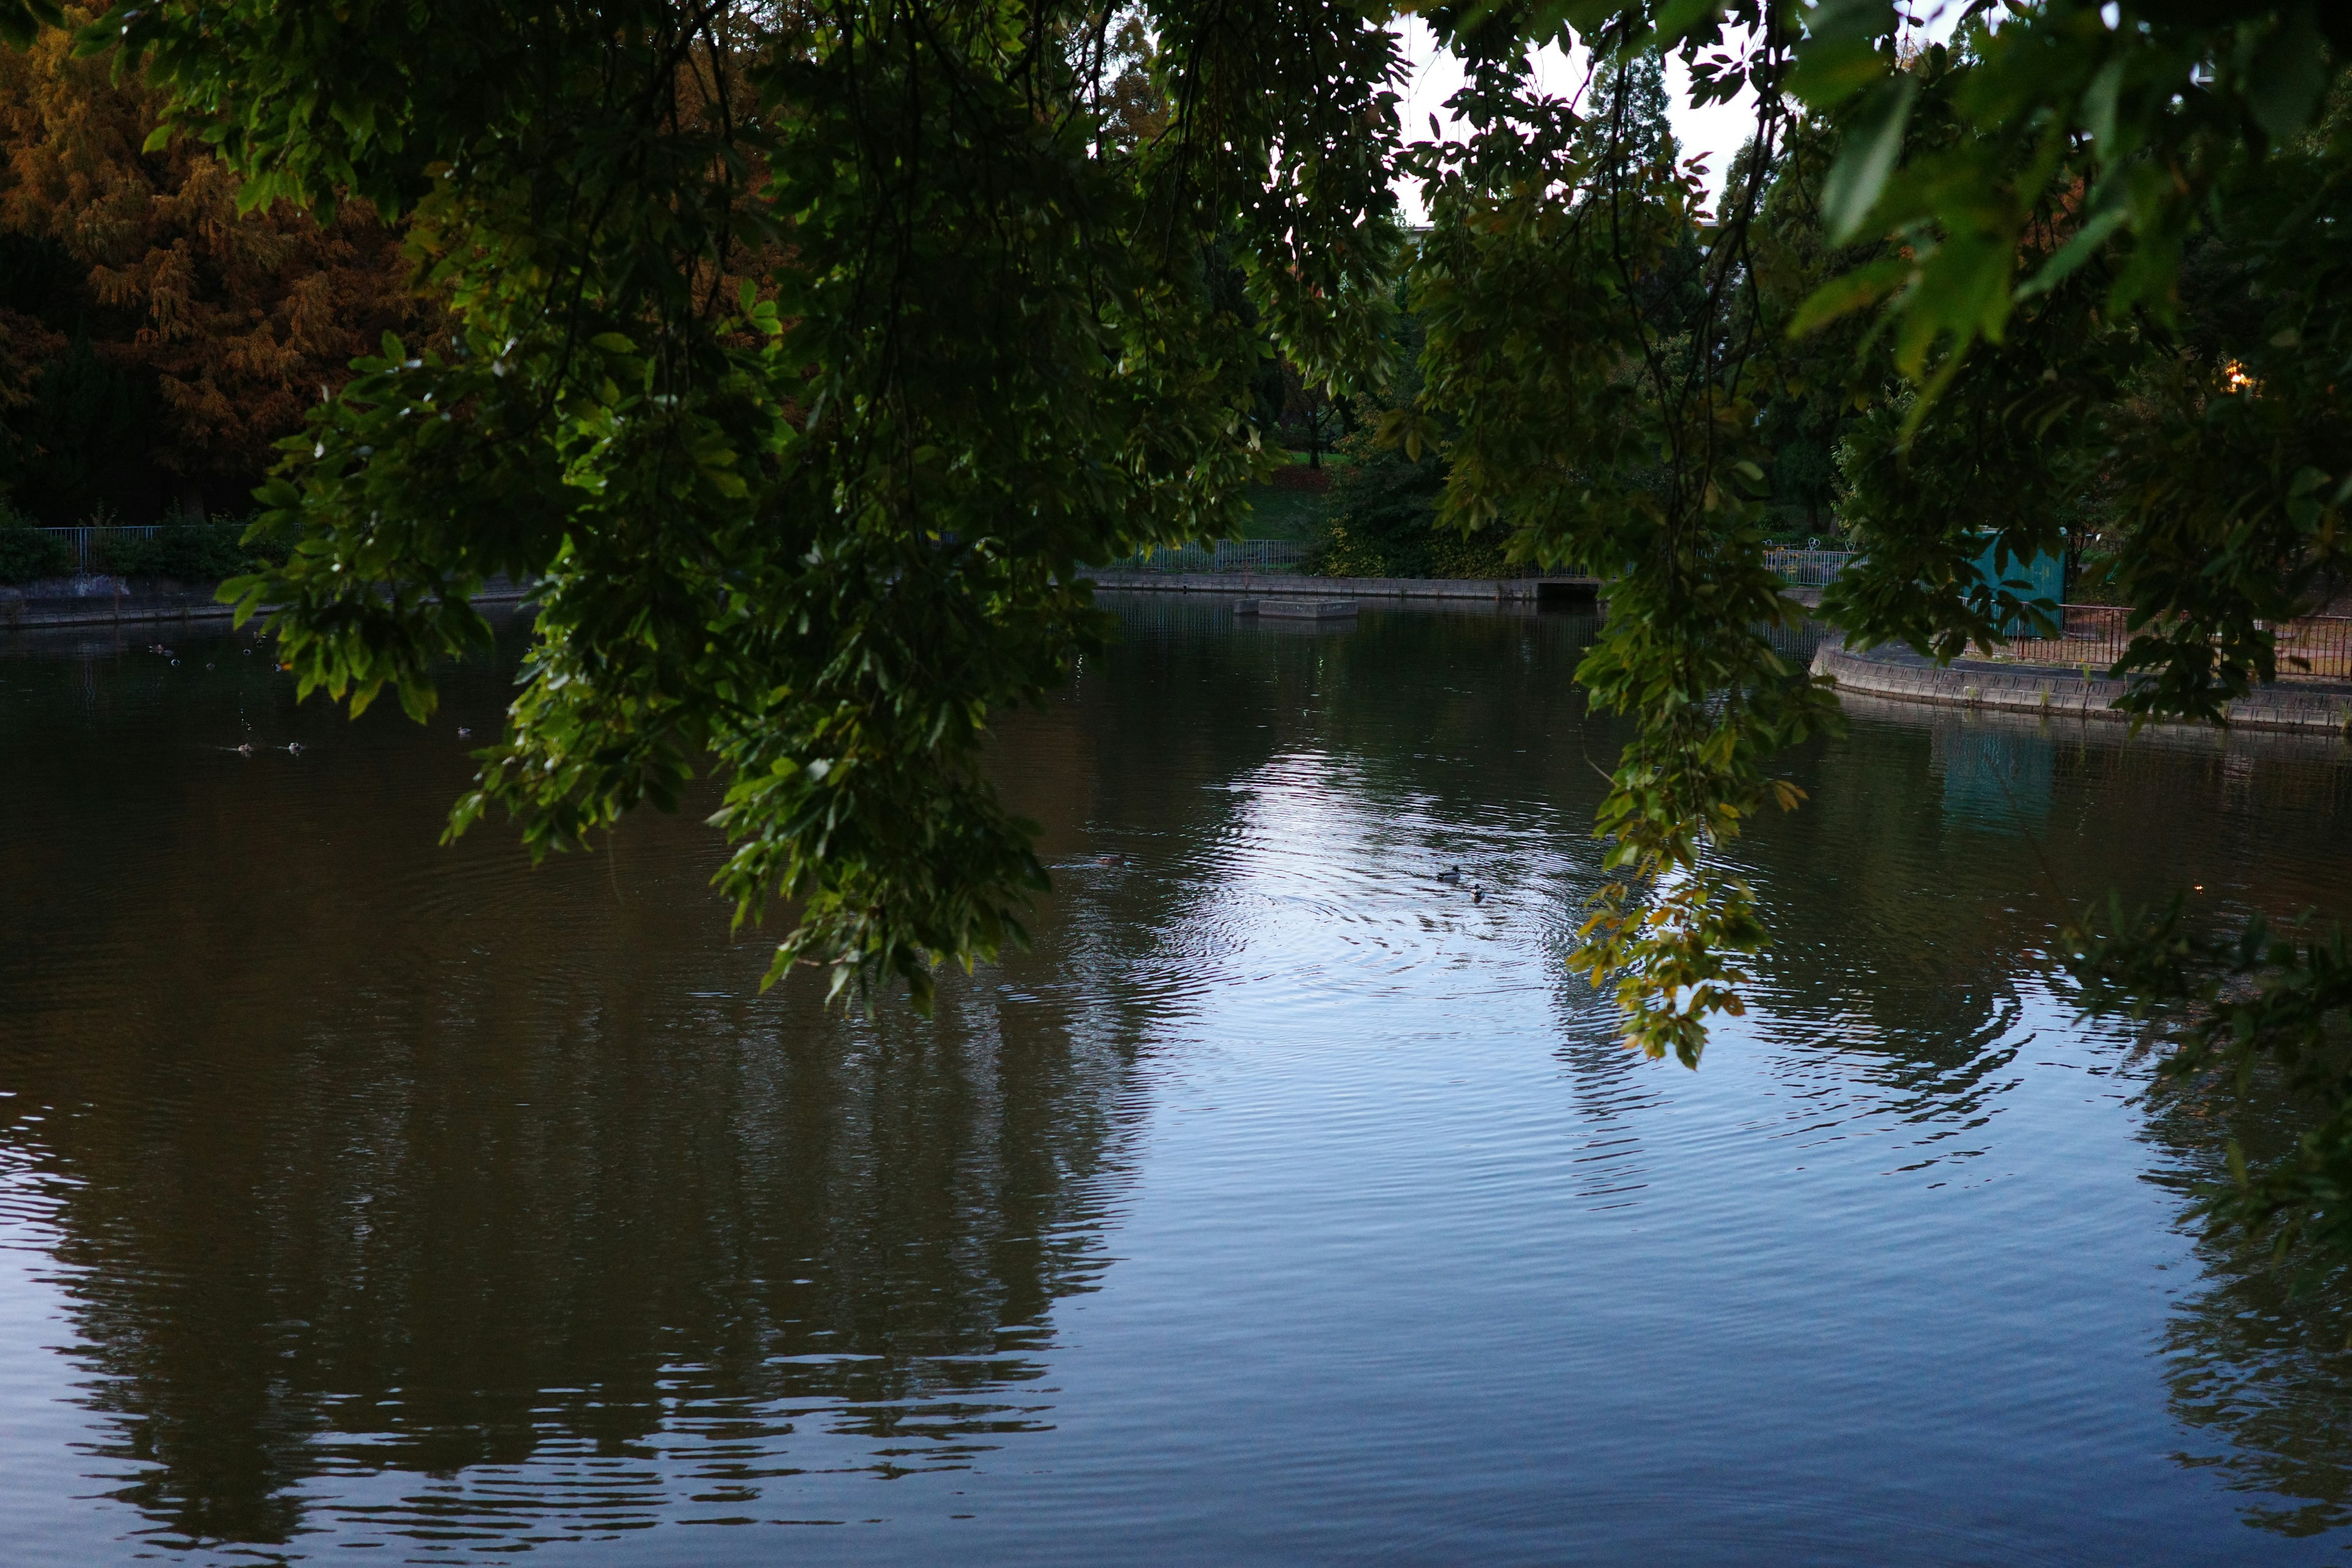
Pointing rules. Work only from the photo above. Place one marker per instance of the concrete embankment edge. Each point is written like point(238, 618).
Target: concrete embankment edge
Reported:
point(2059, 693)
point(18, 613)
point(1488, 590)
point(1491, 590)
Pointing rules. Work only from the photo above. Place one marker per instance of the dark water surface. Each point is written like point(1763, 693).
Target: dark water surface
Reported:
point(364, 1200)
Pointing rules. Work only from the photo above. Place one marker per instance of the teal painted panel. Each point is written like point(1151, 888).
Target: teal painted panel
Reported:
point(2043, 577)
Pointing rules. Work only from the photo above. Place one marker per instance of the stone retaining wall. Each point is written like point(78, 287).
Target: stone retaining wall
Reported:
point(2025, 689)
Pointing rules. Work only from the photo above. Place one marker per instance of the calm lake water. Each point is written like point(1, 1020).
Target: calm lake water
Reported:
point(365, 1199)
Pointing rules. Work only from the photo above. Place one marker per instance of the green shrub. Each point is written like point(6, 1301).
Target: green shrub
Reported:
point(186, 551)
point(27, 552)
point(1382, 521)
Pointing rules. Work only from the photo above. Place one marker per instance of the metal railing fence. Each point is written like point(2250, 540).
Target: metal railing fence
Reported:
point(83, 541)
point(1225, 555)
point(1808, 568)
point(2310, 647)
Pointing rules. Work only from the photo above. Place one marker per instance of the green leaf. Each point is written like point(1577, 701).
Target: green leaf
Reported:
point(1840, 54)
point(22, 20)
point(2099, 107)
point(2288, 74)
point(1863, 286)
point(1873, 144)
point(2076, 251)
point(1676, 17)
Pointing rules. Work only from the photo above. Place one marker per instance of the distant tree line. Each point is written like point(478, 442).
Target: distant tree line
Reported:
point(155, 340)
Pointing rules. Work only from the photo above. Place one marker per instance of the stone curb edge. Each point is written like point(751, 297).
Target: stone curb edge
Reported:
point(1492, 590)
point(105, 610)
point(2057, 694)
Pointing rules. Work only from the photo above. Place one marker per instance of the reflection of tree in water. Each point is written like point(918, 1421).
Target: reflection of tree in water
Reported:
point(1899, 970)
point(1910, 900)
point(1927, 929)
point(373, 1161)
point(442, 1257)
point(2261, 1355)
point(369, 1160)
point(389, 1163)
point(1940, 850)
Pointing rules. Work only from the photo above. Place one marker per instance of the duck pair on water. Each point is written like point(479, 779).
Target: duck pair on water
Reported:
point(1451, 878)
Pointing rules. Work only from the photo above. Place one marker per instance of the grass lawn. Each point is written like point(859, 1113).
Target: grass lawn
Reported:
point(1284, 514)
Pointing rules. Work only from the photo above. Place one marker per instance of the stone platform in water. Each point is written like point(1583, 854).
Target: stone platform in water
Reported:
point(1296, 609)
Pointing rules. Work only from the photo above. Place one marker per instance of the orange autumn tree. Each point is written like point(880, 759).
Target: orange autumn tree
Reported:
point(154, 342)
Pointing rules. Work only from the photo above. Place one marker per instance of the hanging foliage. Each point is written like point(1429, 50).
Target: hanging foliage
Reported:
point(803, 353)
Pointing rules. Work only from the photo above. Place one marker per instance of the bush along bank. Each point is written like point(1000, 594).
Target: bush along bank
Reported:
point(184, 551)
point(1381, 521)
point(28, 554)
point(189, 554)
point(170, 571)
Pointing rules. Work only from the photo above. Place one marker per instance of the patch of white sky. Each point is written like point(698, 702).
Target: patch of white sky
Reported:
point(1714, 132)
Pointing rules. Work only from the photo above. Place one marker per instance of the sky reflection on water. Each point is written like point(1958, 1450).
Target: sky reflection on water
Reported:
point(1286, 1203)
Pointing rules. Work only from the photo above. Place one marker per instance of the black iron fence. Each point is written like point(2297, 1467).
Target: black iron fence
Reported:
point(2093, 636)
